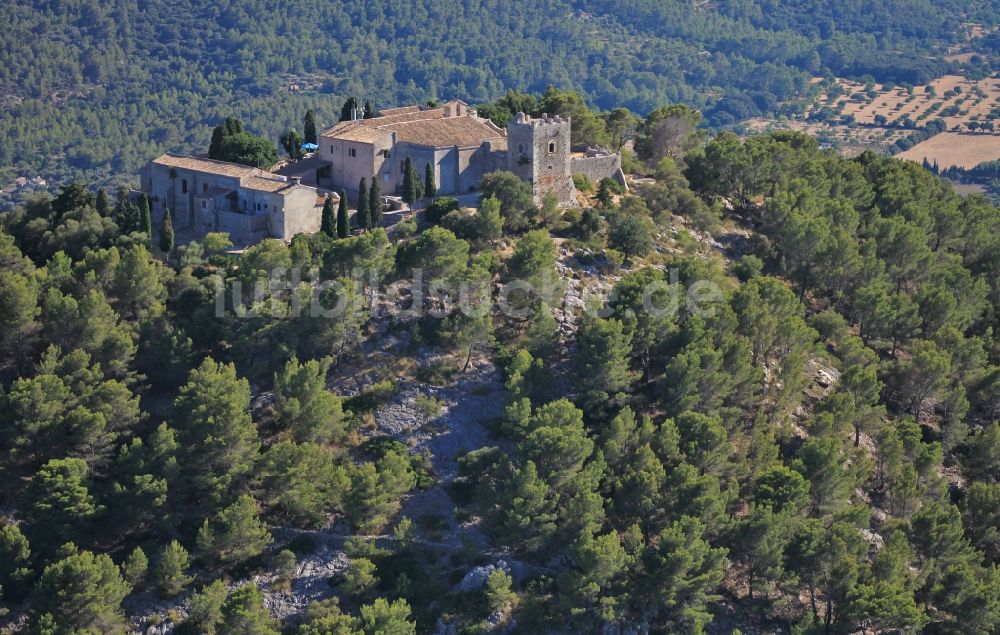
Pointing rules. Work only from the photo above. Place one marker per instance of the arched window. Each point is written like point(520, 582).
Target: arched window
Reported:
point(184, 186)
point(552, 146)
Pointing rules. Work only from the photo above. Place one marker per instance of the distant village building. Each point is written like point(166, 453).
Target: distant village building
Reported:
point(250, 204)
point(460, 147)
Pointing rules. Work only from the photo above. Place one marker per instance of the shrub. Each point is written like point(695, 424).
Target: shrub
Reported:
point(582, 183)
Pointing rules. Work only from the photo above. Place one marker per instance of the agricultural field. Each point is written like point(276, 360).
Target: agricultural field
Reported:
point(962, 103)
point(957, 149)
point(853, 117)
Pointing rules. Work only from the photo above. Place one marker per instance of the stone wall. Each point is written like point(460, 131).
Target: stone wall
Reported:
point(243, 230)
point(299, 215)
point(599, 167)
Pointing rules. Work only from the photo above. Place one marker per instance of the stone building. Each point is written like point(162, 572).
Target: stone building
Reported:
point(248, 203)
point(539, 151)
point(460, 146)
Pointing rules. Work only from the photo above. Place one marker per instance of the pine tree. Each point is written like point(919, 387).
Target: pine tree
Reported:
point(362, 219)
point(375, 205)
point(602, 361)
point(135, 567)
point(409, 182)
point(82, 593)
point(166, 233)
point(304, 405)
point(236, 535)
point(206, 607)
point(15, 560)
point(244, 612)
point(328, 224)
point(57, 502)
point(170, 575)
point(214, 424)
point(430, 187)
point(309, 127)
point(343, 217)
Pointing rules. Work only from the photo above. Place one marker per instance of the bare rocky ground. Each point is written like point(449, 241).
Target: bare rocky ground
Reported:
point(475, 397)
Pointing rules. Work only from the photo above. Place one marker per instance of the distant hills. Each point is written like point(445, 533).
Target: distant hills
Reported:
point(91, 89)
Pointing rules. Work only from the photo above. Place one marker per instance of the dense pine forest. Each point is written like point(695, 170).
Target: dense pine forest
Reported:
point(90, 90)
point(809, 446)
point(756, 390)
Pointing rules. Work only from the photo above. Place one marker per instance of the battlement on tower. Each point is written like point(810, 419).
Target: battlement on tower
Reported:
point(527, 120)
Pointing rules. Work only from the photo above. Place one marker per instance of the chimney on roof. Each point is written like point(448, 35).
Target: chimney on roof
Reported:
point(297, 180)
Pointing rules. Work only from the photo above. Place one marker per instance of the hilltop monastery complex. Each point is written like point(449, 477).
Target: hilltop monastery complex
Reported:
point(251, 204)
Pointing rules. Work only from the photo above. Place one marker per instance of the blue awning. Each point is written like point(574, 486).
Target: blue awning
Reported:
point(310, 146)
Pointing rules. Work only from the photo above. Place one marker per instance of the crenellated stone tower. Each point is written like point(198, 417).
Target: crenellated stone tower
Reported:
point(538, 151)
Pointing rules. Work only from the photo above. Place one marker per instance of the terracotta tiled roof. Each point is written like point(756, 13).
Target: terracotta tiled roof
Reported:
point(449, 131)
point(428, 127)
point(398, 111)
point(262, 184)
point(209, 166)
point(352, 131)
point(381, 122)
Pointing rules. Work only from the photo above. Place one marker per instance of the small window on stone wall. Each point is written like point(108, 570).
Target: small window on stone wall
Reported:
point(552, 147)
point(204, 187)
point(520, 148)
point(204, 204)
point(184, 186)
point(352, 152)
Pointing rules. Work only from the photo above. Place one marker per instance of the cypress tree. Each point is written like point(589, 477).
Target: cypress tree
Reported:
point(362, 220)
point(125, 213)
point(349, 105)
point(430, 187)
point(375, 205)
point(328, 223)
point(409, 182)
point(369, 109)
point(166, 233)
point(309, 127)
point(145, 222)
point(216, 144)
point(232, 126)
point(343, 219)
point(103, 206)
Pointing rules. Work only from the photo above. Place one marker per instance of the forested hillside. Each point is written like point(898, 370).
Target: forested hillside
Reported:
point(93, 89)
point(808, 443)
